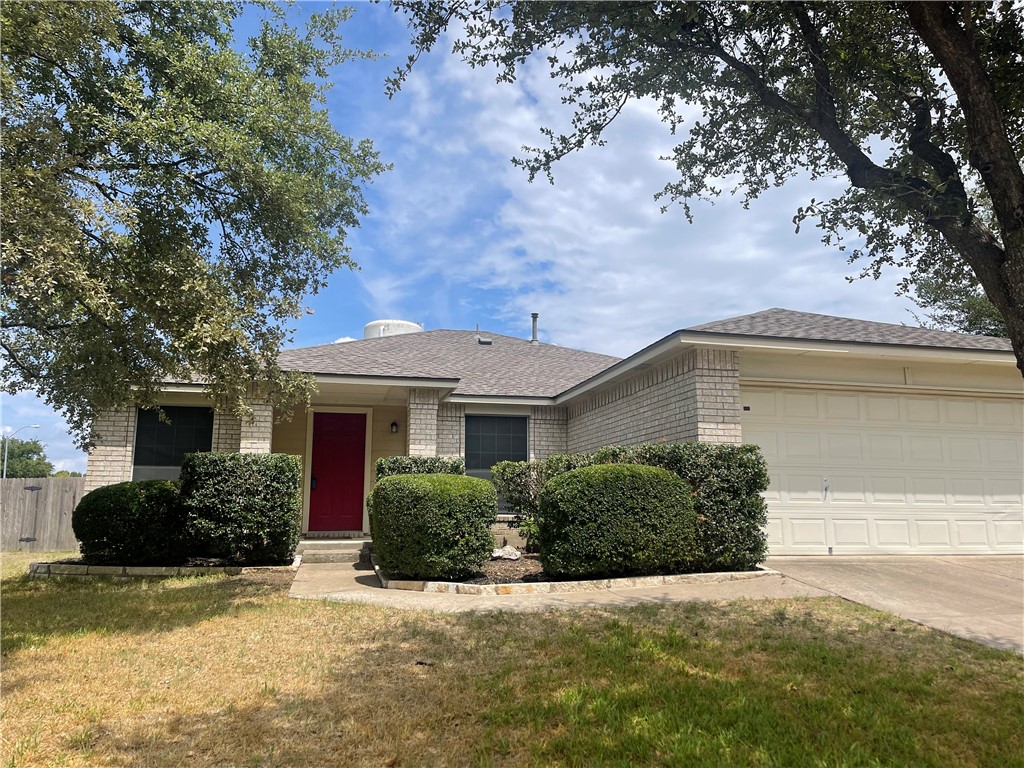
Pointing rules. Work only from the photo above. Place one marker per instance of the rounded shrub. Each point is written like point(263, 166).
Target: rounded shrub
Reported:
point(616, 520)
point(243, 507)
point(139, 523)
point(432, 526)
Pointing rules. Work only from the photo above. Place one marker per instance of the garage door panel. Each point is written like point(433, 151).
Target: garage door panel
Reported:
point(858, 473)
point(932, 533)
point(845, 446)
point(1006, 492)
point(965, 450)
point(1008, 532)
point(851, 533)
point(804, 489)
point(892, 533)
point(968, 490)
point(928, 490)
point(801, 405)
point(971, 533)
point(843, 407)
point(808, 532)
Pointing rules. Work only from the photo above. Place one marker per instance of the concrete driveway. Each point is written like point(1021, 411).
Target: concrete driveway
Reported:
point(977, 597)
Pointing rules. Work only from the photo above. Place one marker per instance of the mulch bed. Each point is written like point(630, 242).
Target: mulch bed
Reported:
point(526, 569)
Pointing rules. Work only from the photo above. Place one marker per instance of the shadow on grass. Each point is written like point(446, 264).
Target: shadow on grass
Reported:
point(697, 685)
point(37, 610)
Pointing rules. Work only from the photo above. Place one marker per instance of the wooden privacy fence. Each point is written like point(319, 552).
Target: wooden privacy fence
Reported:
point(35, 513)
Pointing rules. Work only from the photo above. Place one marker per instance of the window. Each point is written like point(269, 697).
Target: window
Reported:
point(490, 439)
point(160, 446)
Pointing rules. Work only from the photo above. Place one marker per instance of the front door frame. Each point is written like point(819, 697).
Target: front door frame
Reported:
point(307, 464)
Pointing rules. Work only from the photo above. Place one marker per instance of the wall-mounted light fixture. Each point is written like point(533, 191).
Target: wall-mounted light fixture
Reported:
point(394, 427)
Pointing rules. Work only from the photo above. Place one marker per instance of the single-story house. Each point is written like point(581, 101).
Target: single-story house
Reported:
point(879, 438)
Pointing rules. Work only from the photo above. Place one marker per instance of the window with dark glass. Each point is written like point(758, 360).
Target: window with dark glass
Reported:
point(161, 445)
point(490, 439)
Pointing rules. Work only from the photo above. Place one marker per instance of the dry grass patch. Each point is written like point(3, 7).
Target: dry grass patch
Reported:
point(222, 671)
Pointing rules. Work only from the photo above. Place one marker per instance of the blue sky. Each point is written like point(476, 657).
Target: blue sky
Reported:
point(457, 236)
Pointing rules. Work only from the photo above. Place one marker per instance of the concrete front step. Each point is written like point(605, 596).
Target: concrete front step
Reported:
point(335, 556)
point(354, 545)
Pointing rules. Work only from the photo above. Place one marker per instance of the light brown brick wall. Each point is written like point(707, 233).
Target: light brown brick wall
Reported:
point(692, 396)
point(548, 431)
point(227, 431)
point(110, 460)
point(255, 433)
point(451, 429)
point(423, 408)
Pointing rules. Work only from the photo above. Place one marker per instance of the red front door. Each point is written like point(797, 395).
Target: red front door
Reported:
point(338, 472)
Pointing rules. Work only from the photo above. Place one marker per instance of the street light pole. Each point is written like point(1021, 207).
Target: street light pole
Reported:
point(7, 443)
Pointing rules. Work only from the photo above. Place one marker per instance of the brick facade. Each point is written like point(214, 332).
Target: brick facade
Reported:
point(255, 433)
point(423, 413)
point(451, 429)
point(548, 431)
point(693, 396)
point(227, 432)
point(110, 460)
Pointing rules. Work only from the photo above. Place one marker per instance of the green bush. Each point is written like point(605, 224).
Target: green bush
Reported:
point(420, 465)
point(616, 520)
point(132, 524)
point(432, 526)
point(243, 507)
point(727, 481)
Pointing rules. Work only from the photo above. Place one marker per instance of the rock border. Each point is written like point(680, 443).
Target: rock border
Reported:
point(552, 587)
point(46, 570)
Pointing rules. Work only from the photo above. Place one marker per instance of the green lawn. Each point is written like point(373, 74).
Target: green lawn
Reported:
point(222, 671)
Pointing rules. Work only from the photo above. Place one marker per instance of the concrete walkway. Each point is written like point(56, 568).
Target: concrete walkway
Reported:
point(351, 582)
point(977, 597)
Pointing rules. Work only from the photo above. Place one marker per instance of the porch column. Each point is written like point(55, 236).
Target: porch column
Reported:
point(715, 378)
point(227, 431)
point(113, 446)
point(423, 406)
point(254, 434)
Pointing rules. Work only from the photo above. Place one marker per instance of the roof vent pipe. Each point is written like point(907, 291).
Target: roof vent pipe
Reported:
point(533, 339)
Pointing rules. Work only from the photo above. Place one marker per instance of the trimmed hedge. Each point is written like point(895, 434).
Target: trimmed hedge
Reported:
point(727, 482)
point(616, 520)
point(243, 507)
point(139, 523)
point(420, 465)
point(432, 526)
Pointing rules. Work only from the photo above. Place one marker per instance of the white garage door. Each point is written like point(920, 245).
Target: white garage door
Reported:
point(859, 473)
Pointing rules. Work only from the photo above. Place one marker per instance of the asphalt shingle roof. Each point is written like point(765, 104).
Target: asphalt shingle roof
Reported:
point(787, 324)
point(507, 367)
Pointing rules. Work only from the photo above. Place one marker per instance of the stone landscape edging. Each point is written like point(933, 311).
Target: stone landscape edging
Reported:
point(550, 587)
point(46, 570)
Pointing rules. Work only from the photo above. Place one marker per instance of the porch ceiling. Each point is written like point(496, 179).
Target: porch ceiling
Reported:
point(360, 394)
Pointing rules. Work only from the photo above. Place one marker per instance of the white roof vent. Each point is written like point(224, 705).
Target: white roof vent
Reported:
point(377, 328)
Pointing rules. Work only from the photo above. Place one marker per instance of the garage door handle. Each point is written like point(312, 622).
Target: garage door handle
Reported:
point(824, 487)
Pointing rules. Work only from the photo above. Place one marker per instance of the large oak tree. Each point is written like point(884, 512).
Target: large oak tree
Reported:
point(168, 199)
point(920, 106)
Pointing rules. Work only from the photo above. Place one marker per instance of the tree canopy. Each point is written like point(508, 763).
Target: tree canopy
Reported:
point(920, 106)
point(169, 200)
point(25, 458)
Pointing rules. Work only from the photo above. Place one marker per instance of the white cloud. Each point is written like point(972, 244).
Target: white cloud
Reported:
point(25, 409)
point(343, 339)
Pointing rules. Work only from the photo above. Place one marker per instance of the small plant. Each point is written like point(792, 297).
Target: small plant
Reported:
point(139, 523)
point(432, 526)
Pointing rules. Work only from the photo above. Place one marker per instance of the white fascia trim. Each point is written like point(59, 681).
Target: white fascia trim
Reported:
point(903, 352)
point(386, 381)
point(489, 400)
point(189, 388)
